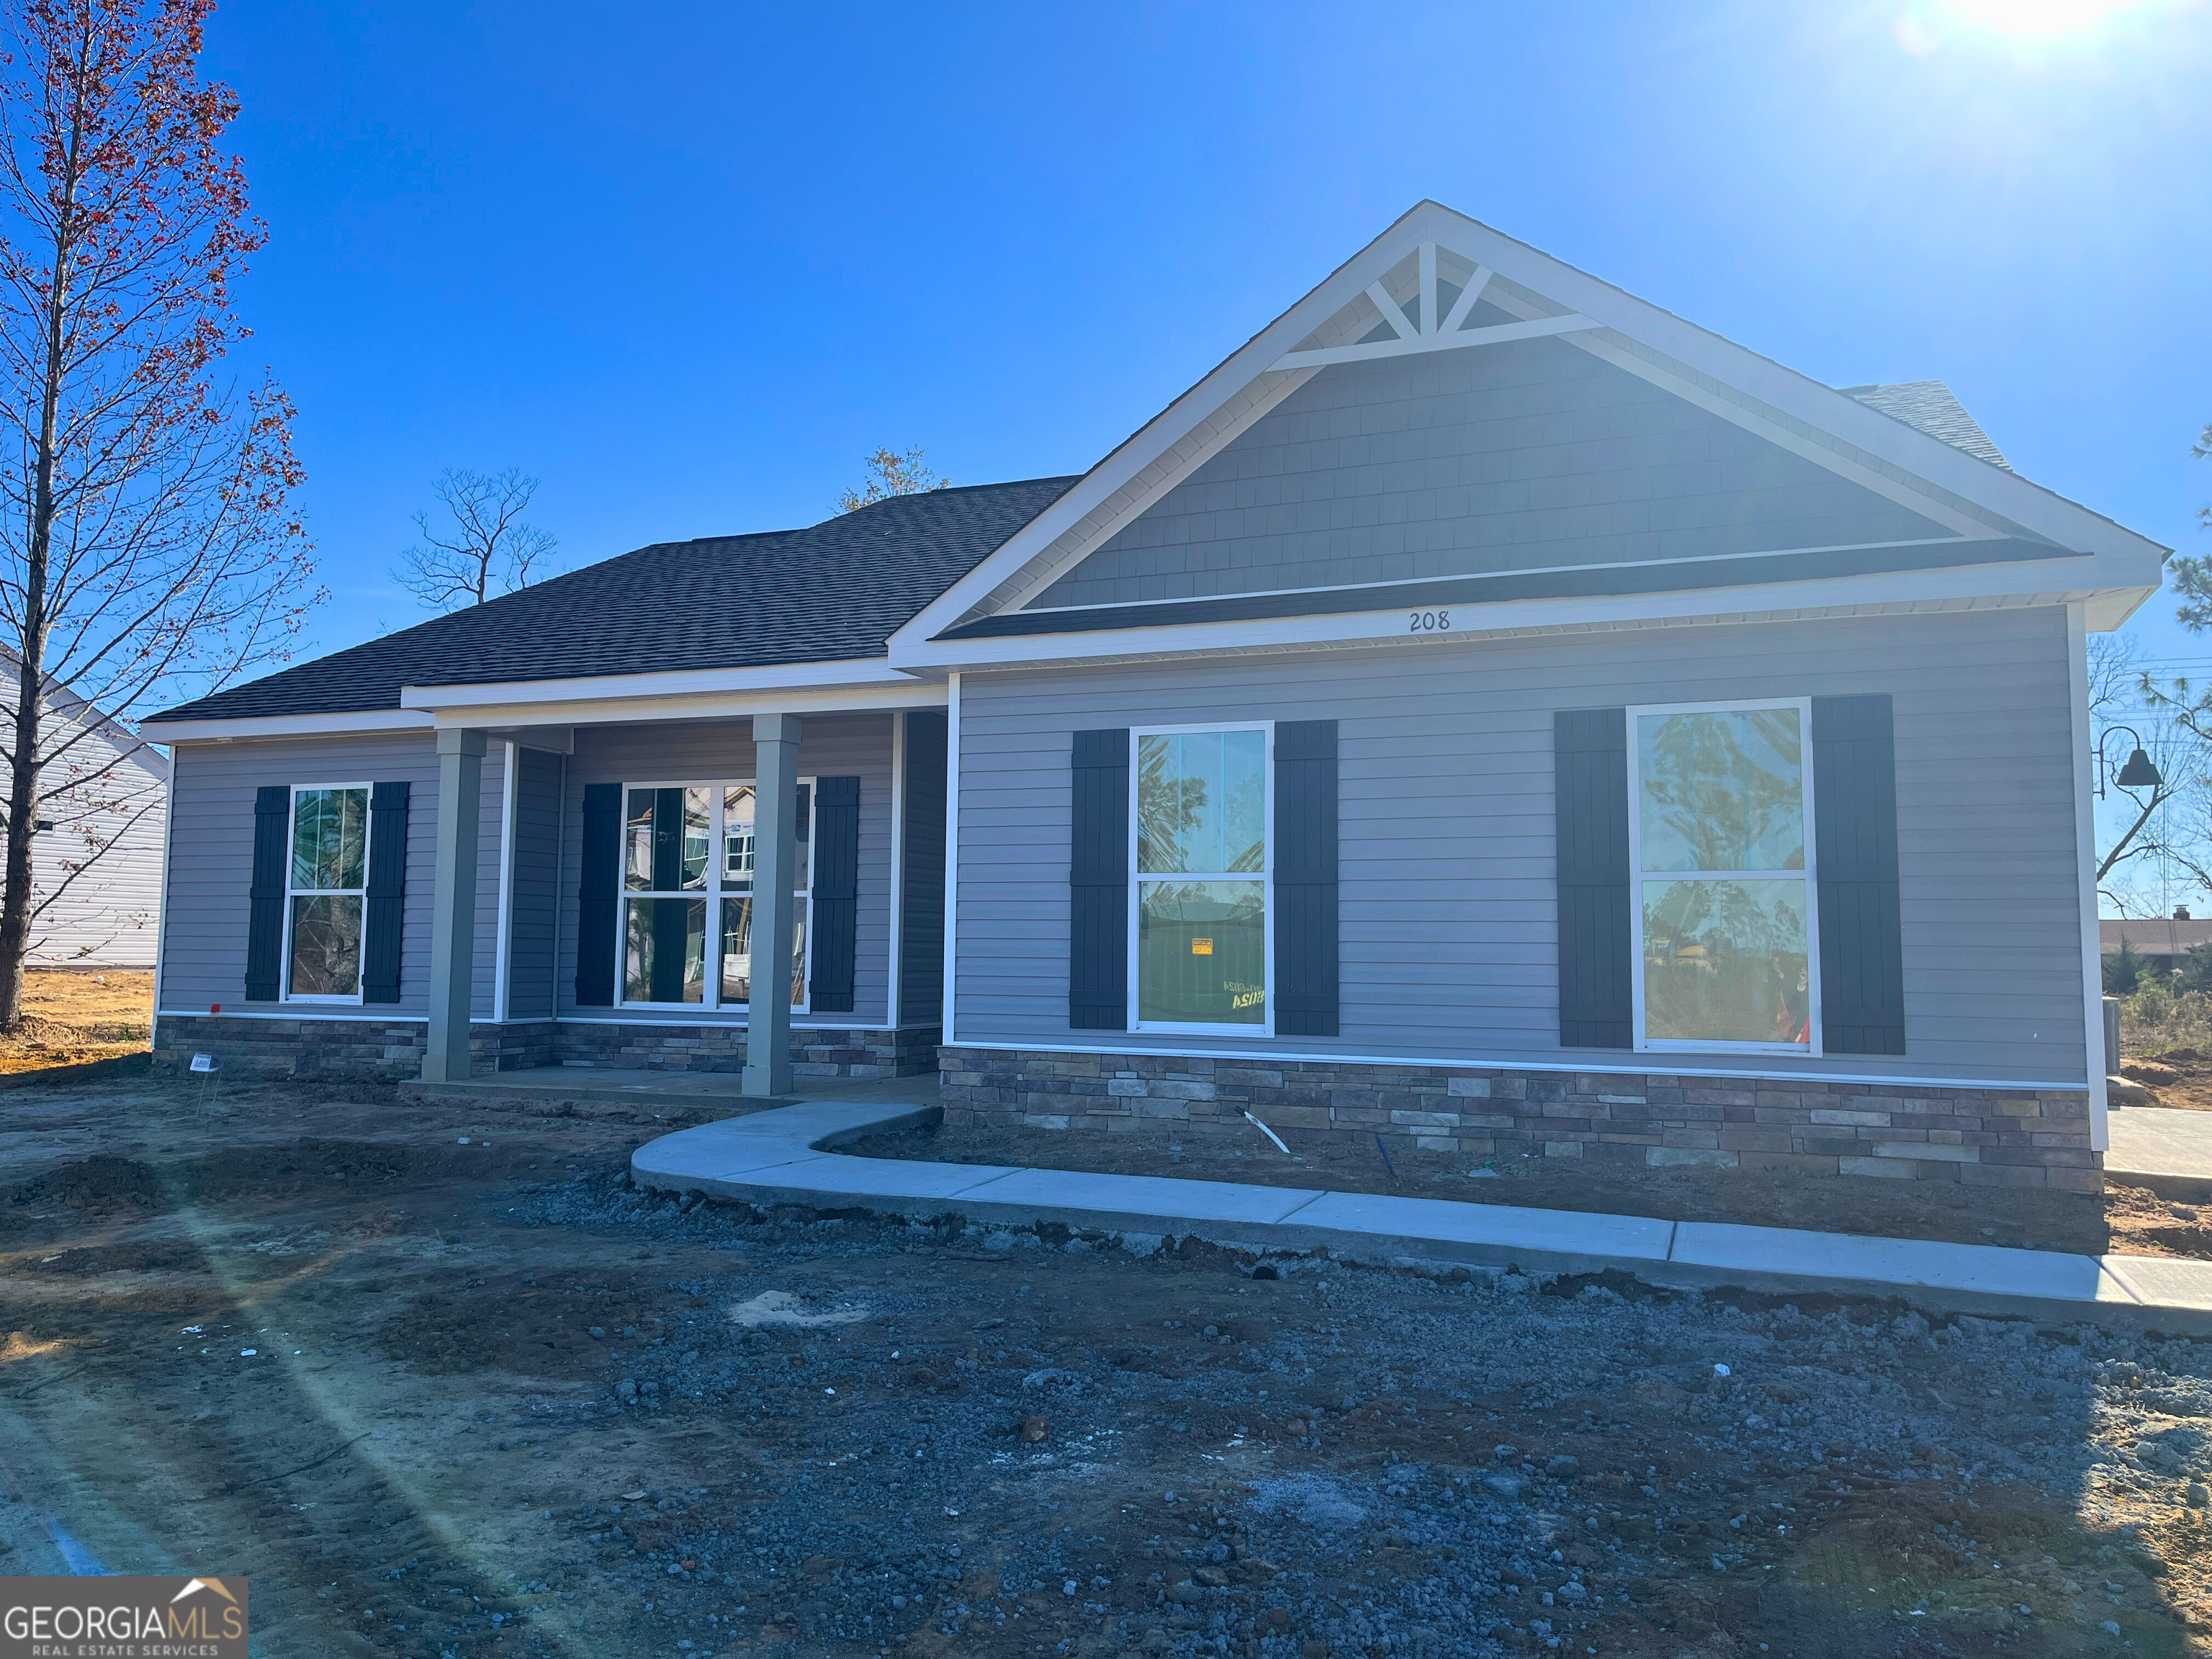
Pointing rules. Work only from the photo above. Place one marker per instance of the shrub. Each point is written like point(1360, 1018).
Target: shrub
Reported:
point(2123, 969)
point(2156, 1020)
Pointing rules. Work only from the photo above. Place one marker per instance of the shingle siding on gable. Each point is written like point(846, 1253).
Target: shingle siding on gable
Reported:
point(1515, 457)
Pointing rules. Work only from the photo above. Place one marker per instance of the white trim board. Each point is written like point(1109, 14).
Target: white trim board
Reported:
point(1564, 1064)
point(2042, 582)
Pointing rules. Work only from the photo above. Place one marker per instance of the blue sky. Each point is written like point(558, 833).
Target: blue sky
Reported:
point(689, 277)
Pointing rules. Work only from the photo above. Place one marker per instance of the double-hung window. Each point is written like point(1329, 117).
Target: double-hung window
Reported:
point(688, 885)
point(326, 889)
point(1719, 804)
point(1200, 943)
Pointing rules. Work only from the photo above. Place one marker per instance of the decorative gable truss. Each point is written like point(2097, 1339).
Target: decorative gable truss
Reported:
point(1972, 532)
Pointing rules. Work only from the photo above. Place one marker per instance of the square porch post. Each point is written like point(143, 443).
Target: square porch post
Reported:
point(775, 847)
point(453, 904)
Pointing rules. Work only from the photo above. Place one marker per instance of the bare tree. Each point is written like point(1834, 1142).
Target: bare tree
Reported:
point(484, 550)
point(890, 474)
point(148, 542)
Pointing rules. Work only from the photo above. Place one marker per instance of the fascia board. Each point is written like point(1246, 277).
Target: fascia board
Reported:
point(1919, 454)
point(2047, 581)
point(1153, 439)
point(678, 682)
point(348, 724)
point(903, 693)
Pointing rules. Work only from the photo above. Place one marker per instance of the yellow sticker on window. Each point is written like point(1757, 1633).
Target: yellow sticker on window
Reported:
point(1201, 947)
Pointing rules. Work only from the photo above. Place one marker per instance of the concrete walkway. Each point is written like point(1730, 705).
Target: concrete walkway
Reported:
point(2167, 1151)
point(789, 1156)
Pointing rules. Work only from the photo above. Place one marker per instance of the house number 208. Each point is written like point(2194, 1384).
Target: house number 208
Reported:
point(1428, 622)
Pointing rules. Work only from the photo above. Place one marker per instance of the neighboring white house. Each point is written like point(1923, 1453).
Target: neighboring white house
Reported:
point(96, 869)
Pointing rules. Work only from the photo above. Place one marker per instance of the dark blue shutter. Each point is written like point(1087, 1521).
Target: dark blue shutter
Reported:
point(1590, 756)
point(1855, 859)
point(596, 896)
point(1098, 884)
point(387, 882)
point(264, 914)
point(921, 888)
point(1305, 878)
point(835, 925)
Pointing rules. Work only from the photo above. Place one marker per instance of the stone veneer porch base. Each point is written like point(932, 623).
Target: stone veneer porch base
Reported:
point(393, 1048)
point(1612, 1122)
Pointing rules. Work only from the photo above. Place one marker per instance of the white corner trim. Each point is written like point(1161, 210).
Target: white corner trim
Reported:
point(2098, 1063)
point(951, 927)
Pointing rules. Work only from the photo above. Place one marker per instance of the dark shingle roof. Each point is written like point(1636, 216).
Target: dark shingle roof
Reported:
point(833, 593)
point(1930, 406)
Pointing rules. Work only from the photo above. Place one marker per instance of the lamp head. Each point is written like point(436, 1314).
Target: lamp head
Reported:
point(2139, 773)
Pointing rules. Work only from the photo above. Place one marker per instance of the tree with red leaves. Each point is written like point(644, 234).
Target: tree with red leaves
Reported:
point(148, 547)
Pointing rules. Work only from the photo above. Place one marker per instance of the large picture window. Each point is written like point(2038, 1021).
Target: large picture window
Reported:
point(1720, 801)
point(687, 901)
point(326, 889)
point(1201, 813)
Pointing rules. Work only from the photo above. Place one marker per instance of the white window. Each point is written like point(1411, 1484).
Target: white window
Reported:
point(327, 889)
point(687, 881)
point(1199, 945)
point(1720, 809)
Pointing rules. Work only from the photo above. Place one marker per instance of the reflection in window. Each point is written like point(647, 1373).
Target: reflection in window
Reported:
point(688, 863)
point(1201, 939)
point(328, 884)
point(1721, 814)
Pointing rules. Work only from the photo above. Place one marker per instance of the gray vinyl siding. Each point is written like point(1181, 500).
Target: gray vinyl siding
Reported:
point(831, 746)
point(1448, 914)
point(1528, 455)
point(211, 862)
point(535, 886)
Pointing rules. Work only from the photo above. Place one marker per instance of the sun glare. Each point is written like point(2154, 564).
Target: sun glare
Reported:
point(2040, 19)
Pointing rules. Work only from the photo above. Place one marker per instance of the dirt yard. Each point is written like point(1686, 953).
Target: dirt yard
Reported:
point(442, 1384)
point(2126, 1218)
point(2181, 1078)
point(72, 1015)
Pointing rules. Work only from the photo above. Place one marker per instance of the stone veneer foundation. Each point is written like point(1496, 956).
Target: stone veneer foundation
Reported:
point(1988, 1137)
point(393, 1048)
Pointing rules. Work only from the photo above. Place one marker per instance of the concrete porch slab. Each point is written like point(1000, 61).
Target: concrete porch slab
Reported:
point(783, 1156)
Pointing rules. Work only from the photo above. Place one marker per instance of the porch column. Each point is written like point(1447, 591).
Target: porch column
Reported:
point(776, 847)
point(453, 904)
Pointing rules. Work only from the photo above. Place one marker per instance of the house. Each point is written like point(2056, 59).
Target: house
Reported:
point(96, 858)
point(2161, 941)
point(1485, 710)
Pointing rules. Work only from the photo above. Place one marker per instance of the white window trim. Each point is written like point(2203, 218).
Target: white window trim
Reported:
point(285, 992)
point(1136, 878)
point(1637, 876)
point(714, 893)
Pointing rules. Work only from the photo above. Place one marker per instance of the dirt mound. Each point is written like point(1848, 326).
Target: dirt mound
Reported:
point(101, 1183)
